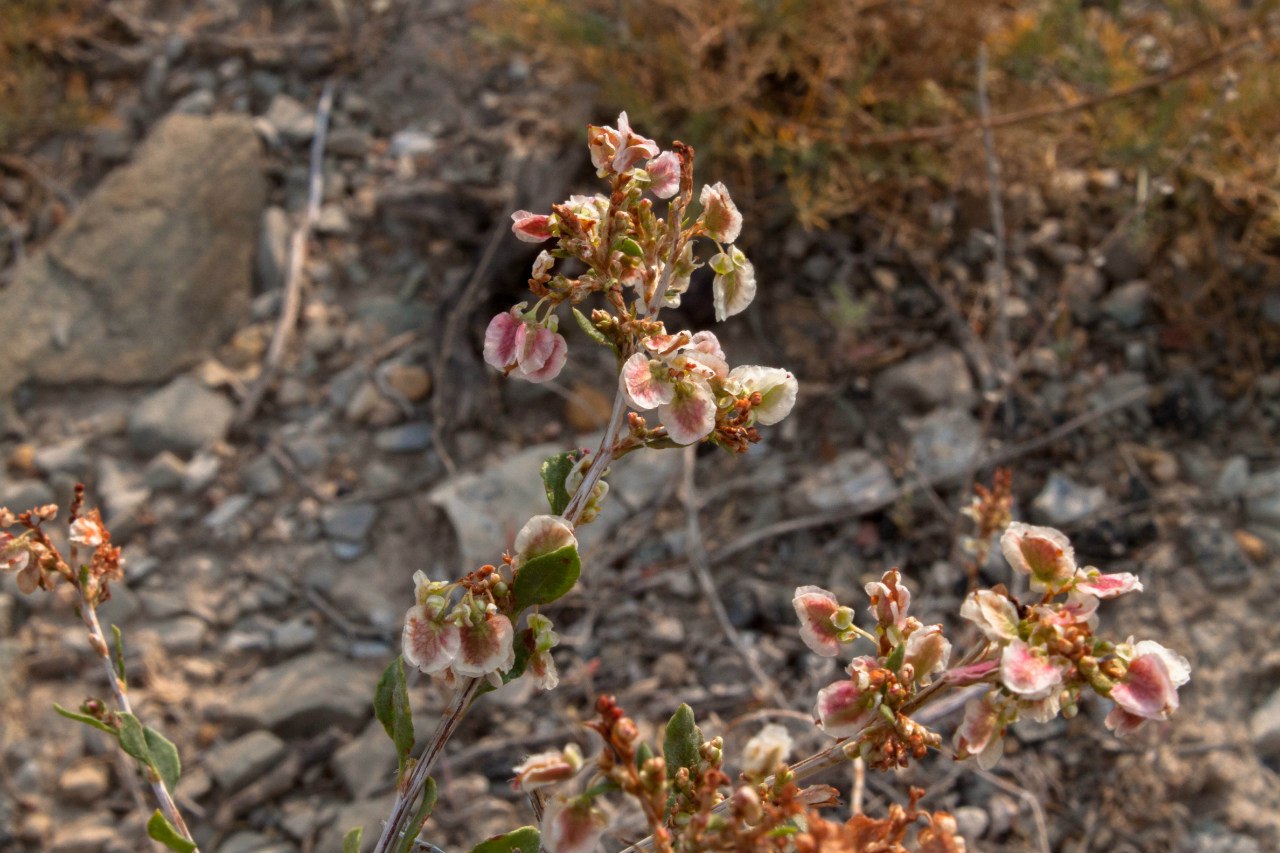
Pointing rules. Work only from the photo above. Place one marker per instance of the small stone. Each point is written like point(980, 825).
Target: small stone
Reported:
point(304, 696)
point(588, 408)
point(854, 479)
point(410, 381)
point(66, 457)
point(1128, 304)
point(1262, 497)
point(262, 477)
point(308, 451)
point(164, 472)
point(366, 764)
point(294, 636)
point(1254, 547)
point(972, 822)
point(228, 511)
point(184, 635)
point(248, 841)
point(235, 764)
point(363, 403)
point(200, 472)
point(183, 416)
point(272, 255)
point(1003, 813)
point(1062, 500)
point(1082, 285)
point(86, 836)
point(1219, 556)
point(350, 522)
point(937, 377)
point(406, 438)
point(1234, 478)
point(85, 781)
point(944, 443)
point(290, 119)
point(333, 220)
point(197, 103)
point(671, 669)
point(349, 142)
point(22, 495)
point(123, 496)
point(1220, 840)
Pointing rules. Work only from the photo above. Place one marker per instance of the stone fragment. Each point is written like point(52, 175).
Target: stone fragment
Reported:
point(82, 836)
point(412, 437)
point(182, 417)
point(1128, 304)
point(164, 472)
point(85, 781)
point(348, 521)
point(22, 495)
point(936, 377)
point(944, 443)
point(366, 764)
point(304, 696)
point(273, 251)
point(241, 761)
point(855, 479)
point(262, 477)
point(151, 272)
point(292, 121)
point(411, 381)
point(1063, 500)
point(65, 457)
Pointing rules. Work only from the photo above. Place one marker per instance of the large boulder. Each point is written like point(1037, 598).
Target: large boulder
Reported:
point(151, 272)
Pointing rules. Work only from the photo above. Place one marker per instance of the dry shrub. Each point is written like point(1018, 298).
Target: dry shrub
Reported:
point(41, 92)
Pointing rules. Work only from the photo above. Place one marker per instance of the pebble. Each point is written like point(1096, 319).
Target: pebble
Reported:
point(307, 451)
point(972, 822)
point(84, 836)
point(1234, 478)
point(348, 521)
point(333, 220)
point(936, 377)
point(271, 259)
point(294, 636)
point(412, 437)
point(184, 635)
point(228, 511)
point(1262, 497)
point(1129, 304)
point(123, 496)
point(235, 764)
point(164, 471)
point(183, 416)
point(1218, 554)
point(22, 495)
point(66, 457)
point(1063, 500)
point(262, 477)
point(349, 142)
point(292, 121)
point(411, 381)
point(366, 764)
point(1220, 840)
point(304, 696)
point(85, 781)
point(854, 479)
point(944, 443)
point(248, 841)
point(200, 472)
point(198, 103)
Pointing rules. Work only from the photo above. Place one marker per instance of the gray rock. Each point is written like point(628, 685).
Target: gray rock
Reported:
point(1218, 555)
point(1220, 840)
point(972, 822)
point(183, 416)
point(1062, 500)
point(200, 472)
point(412, 437)
point(1128, 304)
point(228, 511)
point(83, 836)
point(333, 220)
point(854, 479)
point(22, 495)
point(944, 443)
point(150, 272)
point(292, 637)
point(261, 477)
point(248, 841)
point(1234, 477)
point(304, 696)
point(366, 764)
point(292, 121)
point(308, 451)
point(164, 472)
point(235, 764)
point(349, 142)
point(366, 813)
point(273, 249)
point(937, 377)
point(184, 635)
point(199, 103)
point(348, 521)
point(123, 496)
point(1264, 727)
point(65, 457)
point(1082, 284)
point(1262, 497)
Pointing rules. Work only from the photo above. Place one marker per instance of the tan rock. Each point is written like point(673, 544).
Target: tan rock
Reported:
point(85, 781)
point(409, 381)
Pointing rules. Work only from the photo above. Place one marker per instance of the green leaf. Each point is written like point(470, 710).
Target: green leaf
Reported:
point(682, 746)
point(86, 719)
point(628, 246)
point(589, 329)
point(555, 470)
point(164, 757)
point(524, 650)
point(526, 839)
point(391, 706)
point(424, 812)
point(894, 662)
point(351, 841)
point(159, 828)
point(133, 739)
point(119, 659)
point(643, 754)
point(546, 578)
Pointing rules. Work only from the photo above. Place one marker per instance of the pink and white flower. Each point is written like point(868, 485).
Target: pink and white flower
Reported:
point(676, 385)
point(541, 666)
point(691, 414)
point(819, 612)
point(1107, 586)
point(927, 651)
point(993, 613)
point(720, 216)
point(1043, 553)
point(430, 641)
point(614, 151)
point(777, 389)
point(522, 348)
point(487, 642)
point(531, 227)
point(734, 286)
point(89, 531)
point(764, 752)
point(845, 708)
point(890, 600)
point(664, 171)
point(981, 733)
point(547, 768)
point(542, 534)
point(572, 825)
point(1149, 689)
point(1027, 672)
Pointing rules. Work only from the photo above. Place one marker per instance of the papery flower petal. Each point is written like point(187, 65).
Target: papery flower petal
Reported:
point(890, 599)
point(500, 340)
point(1042, 710)
point(487, 646)
point(720, 215)
point(691, 414)
point(1041, 552)
point(542, 668)
point(89, 531)
point(764, 752)
point(1080, 608)
point(429, 642)
point(993, 613)
point(632, 147)
point(534, 344)
point(928, 651)
point(777, 389)
point(1109, 586)
point(531, 227)
point(815, 608)
point(645, 384)
point(1178, 666)
point(664, 171)
point(540, 535)
point(547, 768)
point(550, 368)
point(1147, 689)
point(603, 143)
point(1122, 723)
point(571, 826)
point(733, 291)
point(973, 673)
point(980, 733)
point(844, 708)
point(1026, 673)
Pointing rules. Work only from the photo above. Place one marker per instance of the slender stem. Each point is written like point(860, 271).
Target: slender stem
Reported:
point(89, 615)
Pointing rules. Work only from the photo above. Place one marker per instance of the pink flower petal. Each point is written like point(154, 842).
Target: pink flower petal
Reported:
point(844, 708)
point(815, 607)
point(733, 291)
point(1147, 690)
point(890, 600)
point(1027, 674)
point(531, 227)
point(500, 340)
point(571, 826)
point(664, 171)
point(777, 389)
point(691, 414)
point(980, 733)
point(551, 368)
point(1041, 552)
point(644, 383)
point(1178, 666)
point(706, 342)
point(1109, 586)
point(428, 642)
point(1122, 722)
point(487, 646)
point(993, 613)
point(927, 651)
point(974, 673)
point(534, 345)
point(720, 215)
point(542, 534)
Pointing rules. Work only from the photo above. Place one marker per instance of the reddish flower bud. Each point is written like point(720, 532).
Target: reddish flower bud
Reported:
point(531, 227)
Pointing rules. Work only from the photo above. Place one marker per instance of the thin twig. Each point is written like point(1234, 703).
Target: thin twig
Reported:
point(292, 303)
point(696, 553)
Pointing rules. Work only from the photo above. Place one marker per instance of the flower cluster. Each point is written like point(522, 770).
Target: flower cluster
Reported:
point(881, 688)
point(1044, 656)
point(37, 564)
point(630, 252)
point(464, 629)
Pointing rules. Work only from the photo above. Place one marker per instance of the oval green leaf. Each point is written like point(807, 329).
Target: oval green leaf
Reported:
point(546, 578)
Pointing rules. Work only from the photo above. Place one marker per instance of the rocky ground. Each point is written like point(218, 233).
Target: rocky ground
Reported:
point(270, 559)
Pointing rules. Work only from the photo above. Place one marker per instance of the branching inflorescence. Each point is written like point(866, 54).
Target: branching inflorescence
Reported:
point(1036, 658)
